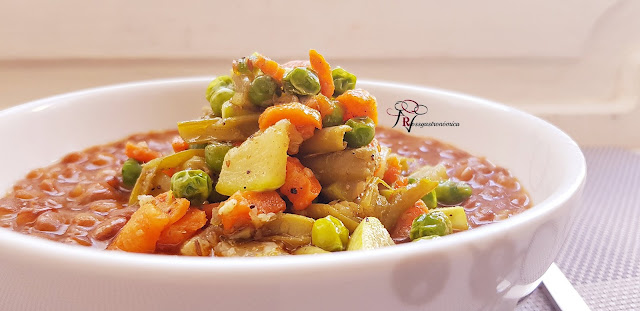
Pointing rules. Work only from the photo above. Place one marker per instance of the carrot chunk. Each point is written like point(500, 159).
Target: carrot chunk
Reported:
point(323, 69)
point(393, 172)
point(141, 233)
point(238, 211)
point(403, 225)
point(174, 207)
point(359, 103)
point(179, 145)
point(300, 185)
point(304, 118)
point(269, 67)
point(184, 228)
point(321, 103)
point(140, 152)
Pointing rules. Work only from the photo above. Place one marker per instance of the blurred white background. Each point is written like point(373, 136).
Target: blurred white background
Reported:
point(572, 62)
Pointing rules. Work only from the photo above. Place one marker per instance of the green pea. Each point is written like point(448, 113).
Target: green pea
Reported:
point(301, 81)
point(218, 98)
point(362, 132)
point(263, 91)
point(330, 234)
point(220, 90)
point(433, 223)
point(131, 170)
point(335, 117)
point(214, 155)
point(218, 83)
point(343, 81)
point(449, 192)
point(193, 185)
point(197, 146)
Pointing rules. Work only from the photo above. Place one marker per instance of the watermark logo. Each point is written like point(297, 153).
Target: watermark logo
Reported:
point(406, 111)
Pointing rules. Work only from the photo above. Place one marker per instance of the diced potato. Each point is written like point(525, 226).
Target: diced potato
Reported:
point(370, 234)
point(457, 216)
point(259, 164)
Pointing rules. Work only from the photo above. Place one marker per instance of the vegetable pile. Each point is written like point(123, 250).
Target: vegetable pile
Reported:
point(284, 161)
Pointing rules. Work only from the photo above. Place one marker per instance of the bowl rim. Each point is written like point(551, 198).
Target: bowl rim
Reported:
point(113, 262)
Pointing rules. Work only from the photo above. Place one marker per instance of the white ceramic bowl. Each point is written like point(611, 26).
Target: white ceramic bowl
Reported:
point(488, 268)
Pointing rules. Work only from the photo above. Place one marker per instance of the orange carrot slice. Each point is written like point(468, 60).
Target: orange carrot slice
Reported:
point(269, 67)
point(393, 172)
point(174, 207)
point(140, 152)
point(237, 211)
point(184, 228)
point(179, 145)
point(358, 103)
point(304, 118)
point(300, 185)
point(323, 69)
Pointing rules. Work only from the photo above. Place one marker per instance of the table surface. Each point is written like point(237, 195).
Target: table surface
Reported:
point(601, 256)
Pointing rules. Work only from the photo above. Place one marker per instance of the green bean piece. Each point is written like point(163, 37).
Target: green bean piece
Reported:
point(433, 223)
point(197, 146)
point(131, 170)
point(218, 129)
point(193, 185)
point(362, 131)
point(263, 91)
point(449, 192)
point(330, 234)
point(214, 155)
point(219, 97)
point(335, 117)
point(301, 81)
point(343, 81)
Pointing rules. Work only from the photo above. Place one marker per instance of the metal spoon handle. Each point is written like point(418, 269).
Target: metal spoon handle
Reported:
point(561, 292)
